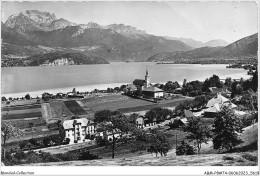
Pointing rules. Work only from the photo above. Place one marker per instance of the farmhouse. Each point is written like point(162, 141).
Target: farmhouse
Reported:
point(214, 105)
point(79, 130)
point(182, 120)
point(153, 92)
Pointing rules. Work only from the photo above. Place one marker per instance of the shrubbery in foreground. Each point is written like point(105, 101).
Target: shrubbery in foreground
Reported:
point(185, 149)
point(19, 158)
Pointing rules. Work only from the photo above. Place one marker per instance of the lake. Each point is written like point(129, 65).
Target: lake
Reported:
point(20, 80)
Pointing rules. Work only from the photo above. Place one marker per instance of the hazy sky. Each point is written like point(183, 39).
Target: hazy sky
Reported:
point(202, 21)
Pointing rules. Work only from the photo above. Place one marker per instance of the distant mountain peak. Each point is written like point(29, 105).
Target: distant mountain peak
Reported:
point(39, 16)
point(31, 20)
point(126, 30)
point(198, 44)
point(90, 25)
point(216, 43)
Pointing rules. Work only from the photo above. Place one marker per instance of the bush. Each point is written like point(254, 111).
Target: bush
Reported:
point(22, 144)
point(250, 157)
point(185, 149)
point(100, 141)
point(68, 156)
point(67, 141)
point(47, 157)
point(46, 141)
point(218, 164)
point(33, 157)
point(33, 141)
point(175, 124)
point(4, 99)
point(92, 137)
point(247, 121)
point(228, 158)
point(87, 156)
point(27, 97)
point(20, 155)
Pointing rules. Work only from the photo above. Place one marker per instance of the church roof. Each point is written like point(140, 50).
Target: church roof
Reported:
point(152, 89)
point(139, 82)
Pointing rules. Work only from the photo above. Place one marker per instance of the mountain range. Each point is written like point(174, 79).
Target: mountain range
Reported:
point(245, 47)
point(198, 44)
point(34, 32)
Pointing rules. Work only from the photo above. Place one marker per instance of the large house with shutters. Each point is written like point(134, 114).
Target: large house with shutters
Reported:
point(79, 130)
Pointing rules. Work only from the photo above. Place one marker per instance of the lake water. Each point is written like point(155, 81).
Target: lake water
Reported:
point(20, 80)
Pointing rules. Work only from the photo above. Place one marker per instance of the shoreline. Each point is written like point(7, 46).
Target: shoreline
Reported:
point(88, 88)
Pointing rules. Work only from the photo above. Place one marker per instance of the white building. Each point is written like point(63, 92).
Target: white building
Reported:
point(79, 130)
point(153, 92)
point(215, 104)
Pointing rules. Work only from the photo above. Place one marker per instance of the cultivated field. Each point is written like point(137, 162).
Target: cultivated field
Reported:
point(58, 109)
point(23, 124)
point(124, 103)
point(75, 108)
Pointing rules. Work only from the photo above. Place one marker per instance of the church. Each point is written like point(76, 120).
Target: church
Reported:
point(146, 87)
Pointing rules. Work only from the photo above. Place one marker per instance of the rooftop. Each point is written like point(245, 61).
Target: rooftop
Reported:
point(152, 89)
point(68, 124)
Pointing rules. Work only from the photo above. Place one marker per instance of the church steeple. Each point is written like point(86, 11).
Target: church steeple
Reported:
point(147, 79)
point(147, 72)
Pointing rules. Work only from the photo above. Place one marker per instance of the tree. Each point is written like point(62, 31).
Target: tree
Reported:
point(27, 97)
point(138, 93)
point(158, 114)
point(101, 116)
point(74, 90)
point(249, 100)
point(184, 83)
point(226, 127)
point(194, 86)
point(46, 96)
point(159, 143)
point(196, 131)
point(180, 108)
point(255, 81)
point(201, 101)
point(228, 83)
point(4, 99)
point(251, 83)
point(8, 131)
point(117, 126)
point(213, 81)
point(46, 141)
point(185, 149)
point(122, 87)
point(171, 86)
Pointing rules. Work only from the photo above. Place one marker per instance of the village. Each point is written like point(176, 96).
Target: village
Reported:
point(70, 122)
